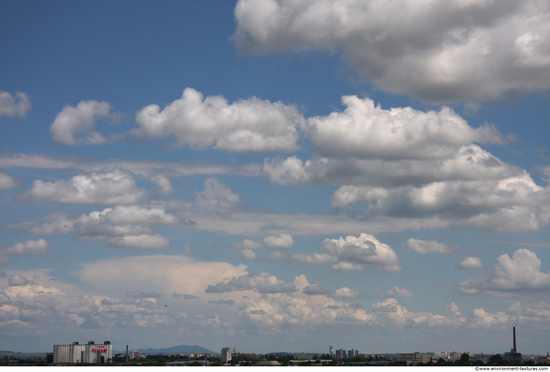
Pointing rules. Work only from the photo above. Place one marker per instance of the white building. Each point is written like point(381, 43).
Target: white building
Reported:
point(226, 354)
point(90, 353)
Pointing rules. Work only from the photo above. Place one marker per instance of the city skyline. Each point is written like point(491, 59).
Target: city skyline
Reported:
point(275, 174)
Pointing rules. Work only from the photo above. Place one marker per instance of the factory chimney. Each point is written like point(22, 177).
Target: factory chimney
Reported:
point(514, 350)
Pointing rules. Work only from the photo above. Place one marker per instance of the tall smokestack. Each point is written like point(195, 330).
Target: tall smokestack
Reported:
point(515, 351)
point(127, 351)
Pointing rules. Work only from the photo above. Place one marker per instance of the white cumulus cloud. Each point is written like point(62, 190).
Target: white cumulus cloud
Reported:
point(364, 249)
point(413, 48)
point(75, 125)
point(249, 125)
point(518, 276)
point(113, 187)
point(365, 130)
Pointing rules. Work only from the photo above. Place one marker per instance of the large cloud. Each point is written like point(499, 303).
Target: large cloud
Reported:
point(438, 51)
point(249, 126)
point(74, 125)
point(114, 187)
point(121, 226)
point(158, 273)
point(471, 189)
point(14, 106)
point(367, 131)
point(512, 277)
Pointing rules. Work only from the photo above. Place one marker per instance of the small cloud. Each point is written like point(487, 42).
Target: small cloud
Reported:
point(470, 263)
point(316, 289)
point(428, 246)
point(395, 291)
point(223, 302)
point(139, 294)
point(257, 312)
point(190, 297)
point(187, 250)
point(14, 106)
point(247, 254)
point(347, 266)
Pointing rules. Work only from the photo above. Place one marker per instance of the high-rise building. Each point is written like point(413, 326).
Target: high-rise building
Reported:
point(134, 354)
point(331, 351)
point(226, 354)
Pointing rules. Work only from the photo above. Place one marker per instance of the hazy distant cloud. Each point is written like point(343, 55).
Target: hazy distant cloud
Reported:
point(470, 263)
point(139, 294)
point(316, 289)
point(347, 266)
point(17, 280)
point(14, 106)
point(315, 258)
point(411, 48)
point(223, 302)
point(30, 248)
point(216, 196)
point(164, 185)
point(428, 246)
point(248, 125)
point(142, 168)
point(365, 130)
point(158, 273)
point(263, 283)
point(257, 312)
point(114, 187)
point(247, 254)
point(346, 292)
point(7, 181)
point(283, 241)
point(143, 241)
point(74, 125)
point(395, 291)
point(187, 250)
point(343, 292)
point(518, 276)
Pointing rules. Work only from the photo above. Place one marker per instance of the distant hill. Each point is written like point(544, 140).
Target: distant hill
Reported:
point(180, 349)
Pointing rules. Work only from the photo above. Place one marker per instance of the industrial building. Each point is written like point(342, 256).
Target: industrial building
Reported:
point(513, 356)
point(414, 358)
point(90, 353)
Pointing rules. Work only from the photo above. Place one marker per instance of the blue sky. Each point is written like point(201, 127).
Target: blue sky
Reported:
point(275, 175)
